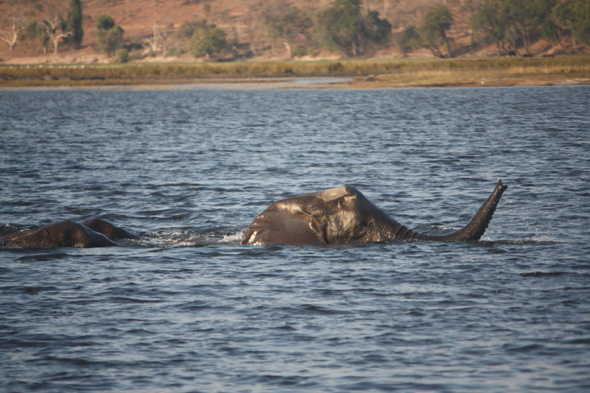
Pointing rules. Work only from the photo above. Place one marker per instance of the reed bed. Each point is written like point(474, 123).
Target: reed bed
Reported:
point(421, 71)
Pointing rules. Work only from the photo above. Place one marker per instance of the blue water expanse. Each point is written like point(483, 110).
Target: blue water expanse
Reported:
point(186, 308)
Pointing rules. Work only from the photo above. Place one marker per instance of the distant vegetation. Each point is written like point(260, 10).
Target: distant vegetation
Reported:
point(348, 28)
point(198, 38)
point(353, 28)
point(394, 72)
point(73, 24)
point(110, 36)
point(511, 24)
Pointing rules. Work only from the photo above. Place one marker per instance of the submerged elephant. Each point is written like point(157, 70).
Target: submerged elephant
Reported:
point(344, 215)
point(95, 232)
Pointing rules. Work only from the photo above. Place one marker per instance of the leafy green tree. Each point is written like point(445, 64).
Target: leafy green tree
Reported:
point(111, 40)
point(184, 33)
point(339, 26)
point(490, 20)
point(375, 29)
point(408, 39)
point(344, 26)
point(549, 31)
point(514, 22)
point(522, 17)
point(104, 23)
point(74, 23)
point(574, 15)
point(110, 36)
point(187, 29)
point(547, 26)
point(526, 17)
point(286, 23)
point(433, 28)
point(206, 39)
point(35, 33)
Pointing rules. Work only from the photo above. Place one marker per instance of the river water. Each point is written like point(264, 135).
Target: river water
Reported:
point(185, 308)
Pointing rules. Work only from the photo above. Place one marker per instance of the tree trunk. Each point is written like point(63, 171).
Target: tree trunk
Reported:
point(361, 48)
point(10, 40)
point(436, 51)
point(559, 41)
point(526, 44)
point(448, 46)
point(156, 38)
point(289, 53)
point(575, 44)
point(55, 38)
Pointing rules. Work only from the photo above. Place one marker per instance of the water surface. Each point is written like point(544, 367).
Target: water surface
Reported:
point(171, 313)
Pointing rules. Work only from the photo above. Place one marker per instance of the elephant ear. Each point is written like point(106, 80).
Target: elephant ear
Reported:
point(331, 194)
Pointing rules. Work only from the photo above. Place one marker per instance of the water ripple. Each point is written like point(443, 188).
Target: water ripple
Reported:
point(185, 308)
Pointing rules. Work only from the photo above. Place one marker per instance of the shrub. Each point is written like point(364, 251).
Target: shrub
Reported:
point(123, 55)
point(104, 22)
point(174, 51)
point(110, 36)
point(300, 51)
point(408, 39)
point(208, 41)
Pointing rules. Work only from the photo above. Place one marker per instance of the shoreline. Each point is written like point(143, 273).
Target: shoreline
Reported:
point(293, 83)
point(352, 74)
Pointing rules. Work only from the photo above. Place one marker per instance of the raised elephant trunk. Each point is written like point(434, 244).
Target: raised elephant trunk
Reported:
point(472, 231)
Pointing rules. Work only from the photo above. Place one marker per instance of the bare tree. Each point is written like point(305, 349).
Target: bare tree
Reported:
point(251, 20)
point(53, 22)
point(160, 40)
point(152, 44)
point(15, 22)
point(167, 38)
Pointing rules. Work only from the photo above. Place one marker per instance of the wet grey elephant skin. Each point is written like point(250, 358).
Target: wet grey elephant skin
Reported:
point(95, 232)
point(343, 215)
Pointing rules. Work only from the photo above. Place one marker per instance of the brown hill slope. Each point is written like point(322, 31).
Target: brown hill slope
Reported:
point(240, 19)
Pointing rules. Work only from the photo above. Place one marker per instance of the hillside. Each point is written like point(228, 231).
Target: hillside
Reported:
point(241, 21)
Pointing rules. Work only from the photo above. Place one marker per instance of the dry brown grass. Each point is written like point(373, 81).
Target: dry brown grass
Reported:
point(367, 73)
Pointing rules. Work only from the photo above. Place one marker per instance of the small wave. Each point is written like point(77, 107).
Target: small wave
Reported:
point(543, 274)
point(42, 257)
point(186, 238)
point(234, 238)
point(174, 239)
point(542, 241)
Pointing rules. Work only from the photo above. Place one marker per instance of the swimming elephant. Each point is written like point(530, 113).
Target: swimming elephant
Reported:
point(344, 215)
point(111, 231)
point(91, 233)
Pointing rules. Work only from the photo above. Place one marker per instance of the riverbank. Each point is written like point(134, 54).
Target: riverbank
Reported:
point(353, 73)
